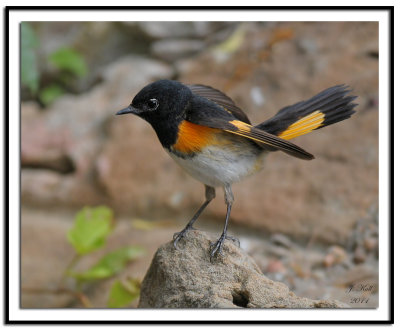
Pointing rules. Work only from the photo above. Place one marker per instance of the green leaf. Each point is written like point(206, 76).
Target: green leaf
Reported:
point(69, 60)
point(91, 227)
point(29, 68)
point(111, 264)
point(123, 293)
point(49, 94)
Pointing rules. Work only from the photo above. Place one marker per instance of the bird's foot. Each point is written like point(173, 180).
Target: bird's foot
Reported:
point(216, 248)
point(234, 240)
point(179, 235)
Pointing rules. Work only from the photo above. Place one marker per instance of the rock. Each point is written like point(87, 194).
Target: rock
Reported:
point(257, 96)
point(161, 30)
point(364, 238)
point(275, 266)
point(307, 46)
point(70, 135)
point(371, 243)
point(358, 274)
point(173, 49)
point(359, 255)
point(164, 30)
point(40, 187)
point(45, 254)
point(281, 240)
point(186, 278)
point(335, 255)
point(39, 147)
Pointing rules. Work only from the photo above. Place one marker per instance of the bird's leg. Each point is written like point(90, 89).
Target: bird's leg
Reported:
point(210, 194)
point(216, 248)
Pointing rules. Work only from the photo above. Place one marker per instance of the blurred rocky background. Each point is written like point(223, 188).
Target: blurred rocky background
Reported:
point(312, 225)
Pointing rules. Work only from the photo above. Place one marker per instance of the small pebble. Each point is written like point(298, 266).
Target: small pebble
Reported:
point(370, 244)
point(359, 255)
point(336, 255)
point(276, 266)
point(257, 96)
point(281, 240)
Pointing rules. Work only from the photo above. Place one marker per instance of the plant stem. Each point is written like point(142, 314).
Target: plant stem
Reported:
point(68, 269)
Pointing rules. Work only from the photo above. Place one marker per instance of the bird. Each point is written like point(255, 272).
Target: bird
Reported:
point(213, 140)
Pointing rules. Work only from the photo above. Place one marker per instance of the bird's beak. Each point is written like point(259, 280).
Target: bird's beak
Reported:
point(129, 109)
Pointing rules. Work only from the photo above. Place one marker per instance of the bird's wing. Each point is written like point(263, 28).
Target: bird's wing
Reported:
point(221, 99)
point(208, 114)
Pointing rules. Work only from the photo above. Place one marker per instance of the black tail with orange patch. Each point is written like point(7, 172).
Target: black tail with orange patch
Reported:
point(329, 106)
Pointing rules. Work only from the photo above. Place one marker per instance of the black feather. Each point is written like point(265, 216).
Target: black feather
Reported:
point(221, 99)
point(333, 102)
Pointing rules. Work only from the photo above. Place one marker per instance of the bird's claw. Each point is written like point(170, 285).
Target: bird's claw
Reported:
point(179, 235)
point(234, 240)
point(216, 248)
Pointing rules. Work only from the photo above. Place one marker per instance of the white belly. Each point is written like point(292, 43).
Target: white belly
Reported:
point(216, 166)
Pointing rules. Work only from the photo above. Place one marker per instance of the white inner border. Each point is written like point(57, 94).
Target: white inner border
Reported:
point(139, 314)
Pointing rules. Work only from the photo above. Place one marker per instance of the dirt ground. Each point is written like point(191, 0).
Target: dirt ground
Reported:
point(311, 270)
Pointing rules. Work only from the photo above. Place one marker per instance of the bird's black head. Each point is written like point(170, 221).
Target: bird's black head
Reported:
point(162, 104)
point(159, 100)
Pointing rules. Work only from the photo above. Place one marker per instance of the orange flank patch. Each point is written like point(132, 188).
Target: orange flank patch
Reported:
point(193, 137)
point(304, 125)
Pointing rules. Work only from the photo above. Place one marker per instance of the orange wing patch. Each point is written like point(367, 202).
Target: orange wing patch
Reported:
point(259, 136)
point(193, 137)
point(304, 125)
point(242, 126)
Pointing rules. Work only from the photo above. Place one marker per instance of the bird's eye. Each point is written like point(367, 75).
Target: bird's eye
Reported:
point(152, 103)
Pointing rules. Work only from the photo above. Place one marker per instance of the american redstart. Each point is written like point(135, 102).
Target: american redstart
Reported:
point(207, 134)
